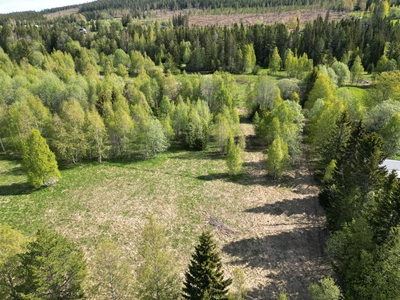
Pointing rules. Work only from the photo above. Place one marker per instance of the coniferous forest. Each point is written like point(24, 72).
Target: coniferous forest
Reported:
point(112, 89)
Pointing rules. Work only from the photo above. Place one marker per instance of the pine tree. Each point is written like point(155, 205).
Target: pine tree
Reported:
point(39, 162)
point(205, 278)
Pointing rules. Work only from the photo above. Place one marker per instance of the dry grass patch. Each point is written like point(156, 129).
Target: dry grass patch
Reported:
point(273, 230)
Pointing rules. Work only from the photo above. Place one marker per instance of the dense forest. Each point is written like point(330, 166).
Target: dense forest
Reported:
point(79, 88)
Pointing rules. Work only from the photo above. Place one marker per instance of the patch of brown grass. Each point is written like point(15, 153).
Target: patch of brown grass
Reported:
point(274, 230)
point(62, 13)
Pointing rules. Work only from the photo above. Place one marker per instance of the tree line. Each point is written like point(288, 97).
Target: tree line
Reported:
point(348, 138)
point(238, 49)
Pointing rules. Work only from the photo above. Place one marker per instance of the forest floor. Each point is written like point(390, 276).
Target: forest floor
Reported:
point(273, 229)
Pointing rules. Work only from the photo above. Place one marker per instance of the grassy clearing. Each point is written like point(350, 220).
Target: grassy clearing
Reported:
point(278, 226)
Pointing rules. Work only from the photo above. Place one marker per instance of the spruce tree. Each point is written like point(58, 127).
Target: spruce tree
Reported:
point(39, 162)
point(205, 278)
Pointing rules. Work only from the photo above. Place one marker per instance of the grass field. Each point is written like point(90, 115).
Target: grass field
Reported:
point(274, 230)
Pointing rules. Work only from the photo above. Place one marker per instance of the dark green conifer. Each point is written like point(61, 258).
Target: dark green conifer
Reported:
point(205, 278)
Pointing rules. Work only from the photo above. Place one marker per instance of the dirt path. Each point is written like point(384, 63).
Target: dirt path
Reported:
point(283, 246)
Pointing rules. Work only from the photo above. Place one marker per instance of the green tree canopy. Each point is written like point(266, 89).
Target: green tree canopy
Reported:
point(52, 268)
point(157, 278)
point(38, 160)
point(205, 278)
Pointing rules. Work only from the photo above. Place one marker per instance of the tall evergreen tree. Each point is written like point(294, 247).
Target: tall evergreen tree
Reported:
point(205, 278)
point(38, 160)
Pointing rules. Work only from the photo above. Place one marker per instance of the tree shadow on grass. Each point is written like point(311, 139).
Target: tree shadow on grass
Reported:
point(22, 188)
point(293, 260)
point(289, 207)
point(16, 171)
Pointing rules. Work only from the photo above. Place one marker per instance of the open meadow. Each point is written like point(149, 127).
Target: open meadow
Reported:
point(274, 230)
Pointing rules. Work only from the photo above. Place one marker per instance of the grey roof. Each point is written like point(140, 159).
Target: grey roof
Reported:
point(391, 165)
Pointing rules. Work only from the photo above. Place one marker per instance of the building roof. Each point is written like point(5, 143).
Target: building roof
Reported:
point(390, 165)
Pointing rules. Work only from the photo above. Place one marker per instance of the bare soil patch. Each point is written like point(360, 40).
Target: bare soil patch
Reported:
point(282, 240)
point(199, 18)
point(62, 13)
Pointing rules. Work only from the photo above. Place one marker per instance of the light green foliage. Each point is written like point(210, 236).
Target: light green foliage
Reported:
point(234, 159)
point(39, 162)
point(205, 279)
point(295, 98)
point(226, 124)
point(96, 134)
point(6, 88)
point(323, 89)
point(378, 117)
point(249, 58)
point(222, 132)
point(112, 275)
point(12, 243)
point(73, 120)
point(286, 121)
point(152, 139)
point(50, 89)
point(216, 91)
point(122, 71)
point(185, 51)
point(61, 64)
point(381, 64)
point(52, 268)
point(305, 66)
point(196, 133)
point(238, 289)
point(20, 121)
point(278, 158)
point(282, 296)
point(275, 62)
point(287, 87)
point(291, 63)
point(330, 72)
point(266, 93)
point(297, 66)
point(381, 9)
point(387, 86)
point(357, 70)
point(391, 135)
point(325, 290)
point(120, 127)
point(120, 57)
point(342, 71)
point(157, 278)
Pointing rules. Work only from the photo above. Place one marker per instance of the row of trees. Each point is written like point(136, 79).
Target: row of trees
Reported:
point(237, 49)
point(88, 117)
point(48, 266)
point(348, 138)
